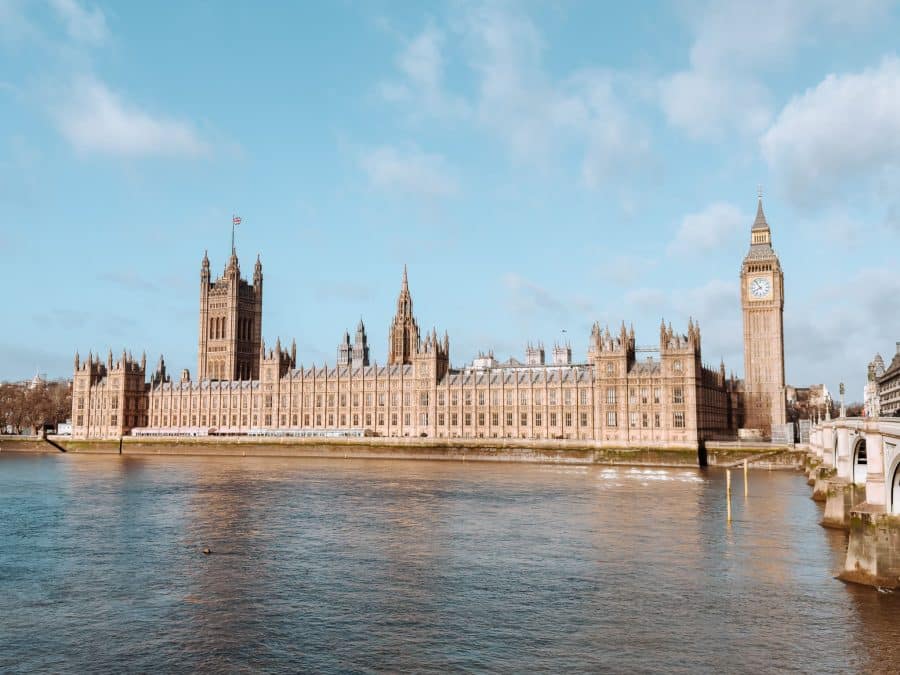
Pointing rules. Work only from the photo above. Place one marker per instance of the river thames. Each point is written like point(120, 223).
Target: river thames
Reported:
point(361, 566)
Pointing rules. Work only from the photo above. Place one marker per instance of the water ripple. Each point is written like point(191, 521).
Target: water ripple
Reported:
point(370, 566)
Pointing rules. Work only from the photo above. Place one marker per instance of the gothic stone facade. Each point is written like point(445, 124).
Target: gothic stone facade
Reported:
point(762, 300)
point(230, 323)
point(614, 398)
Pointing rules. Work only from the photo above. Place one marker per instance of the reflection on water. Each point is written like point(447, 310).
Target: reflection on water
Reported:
point(350, 565)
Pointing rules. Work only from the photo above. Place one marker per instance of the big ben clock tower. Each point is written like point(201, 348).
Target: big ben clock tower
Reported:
point(762, 299)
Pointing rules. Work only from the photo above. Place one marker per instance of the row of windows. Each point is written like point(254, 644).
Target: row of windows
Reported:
point(677, 366)
point(129, 420)
point(644, 393)
point(642, 420)
point(454, 418)
point(111, 403)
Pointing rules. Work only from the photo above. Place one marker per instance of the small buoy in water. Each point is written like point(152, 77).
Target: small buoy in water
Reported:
point(206, 551)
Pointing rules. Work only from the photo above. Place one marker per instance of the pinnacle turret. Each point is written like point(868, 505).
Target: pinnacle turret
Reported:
point(233, 266)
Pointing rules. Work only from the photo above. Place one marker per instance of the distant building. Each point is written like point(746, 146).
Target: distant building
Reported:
point(820, 400)
point(484, 361)
point(871, 397)
point(889, 388)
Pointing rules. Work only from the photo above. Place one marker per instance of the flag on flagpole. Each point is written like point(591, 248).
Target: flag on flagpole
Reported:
point(235, 220)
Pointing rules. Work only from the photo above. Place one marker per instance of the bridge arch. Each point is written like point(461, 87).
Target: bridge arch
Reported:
point(894, 487)
point(859, 468)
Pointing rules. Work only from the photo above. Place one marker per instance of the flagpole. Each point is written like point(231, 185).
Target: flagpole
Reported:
point(232, 233)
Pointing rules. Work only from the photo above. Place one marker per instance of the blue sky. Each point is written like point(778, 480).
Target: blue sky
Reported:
point(538, 166)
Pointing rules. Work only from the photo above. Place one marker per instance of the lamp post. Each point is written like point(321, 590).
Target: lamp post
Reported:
point(843, 409)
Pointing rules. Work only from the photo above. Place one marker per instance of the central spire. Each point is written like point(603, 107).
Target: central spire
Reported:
point(404, 300)
point(404, 332)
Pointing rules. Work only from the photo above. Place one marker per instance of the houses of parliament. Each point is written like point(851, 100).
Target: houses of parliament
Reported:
point(614, 398)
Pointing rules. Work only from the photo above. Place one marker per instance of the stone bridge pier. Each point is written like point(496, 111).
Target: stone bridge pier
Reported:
point(823, 444)
point(845, 488)
point(860, 476)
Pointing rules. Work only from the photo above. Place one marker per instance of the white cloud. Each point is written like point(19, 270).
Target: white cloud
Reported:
point(534, 115)
point(95, 120)
point(408, 171)
point(716, 306)
point(835, 345)
point(649, 300)
point(844, 129)
point(721, 90)
point(624, 270)
point(713, 301)
point(705, 105)
point(89, 115)
point(15, 25)
point(421, 64)
point(714, 227)
point(82, 24)
point(530, 299)
point(537, 116)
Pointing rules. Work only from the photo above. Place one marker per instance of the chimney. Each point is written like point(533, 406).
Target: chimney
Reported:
point(898, 348)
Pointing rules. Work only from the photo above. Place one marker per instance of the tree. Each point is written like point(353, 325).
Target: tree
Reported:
point(23, 406)
point(11, 406)
point(855, 409)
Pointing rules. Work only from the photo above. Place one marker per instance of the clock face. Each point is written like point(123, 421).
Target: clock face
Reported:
point(760, 287)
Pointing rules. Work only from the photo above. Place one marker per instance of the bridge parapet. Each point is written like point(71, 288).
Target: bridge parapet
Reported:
point(865, 451)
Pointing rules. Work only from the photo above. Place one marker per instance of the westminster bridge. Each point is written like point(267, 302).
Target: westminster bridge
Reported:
point(856, 471)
